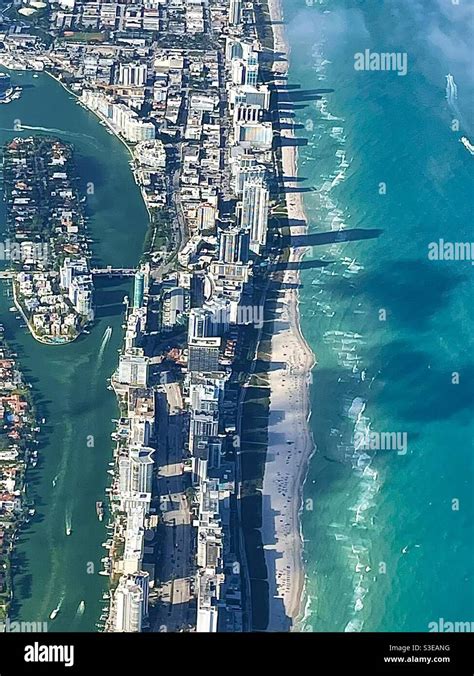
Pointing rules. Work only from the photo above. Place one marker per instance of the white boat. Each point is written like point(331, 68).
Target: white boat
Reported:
point(467, 144)
point(68, 530)
point(99, 508)
point(54, 613)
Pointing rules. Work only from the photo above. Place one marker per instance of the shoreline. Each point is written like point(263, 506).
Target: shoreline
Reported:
point(290, 442)
point(31, 329)
point(100, 117)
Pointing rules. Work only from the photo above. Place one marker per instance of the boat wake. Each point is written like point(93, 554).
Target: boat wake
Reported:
point(52, 130)
point(68, 523)
point(452, 99)
point(451, 90)
point(105, 339)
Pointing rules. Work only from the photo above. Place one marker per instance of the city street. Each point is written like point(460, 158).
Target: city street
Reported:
point(175, 531)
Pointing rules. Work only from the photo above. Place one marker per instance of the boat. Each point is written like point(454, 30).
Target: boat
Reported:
point(68, 530)
point(54, 613)
point(467, 144)
point(99, 508)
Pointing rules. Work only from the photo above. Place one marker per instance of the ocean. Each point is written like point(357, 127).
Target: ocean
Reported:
point(388, 501)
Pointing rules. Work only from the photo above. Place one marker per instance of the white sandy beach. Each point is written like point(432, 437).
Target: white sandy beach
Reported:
point(289, 440)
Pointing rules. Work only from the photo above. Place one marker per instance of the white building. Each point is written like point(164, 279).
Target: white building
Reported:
point(136, 471)
point(235, 12)
point(255, 199)
point(132, 75)
point(133, 370)
point(131, 602)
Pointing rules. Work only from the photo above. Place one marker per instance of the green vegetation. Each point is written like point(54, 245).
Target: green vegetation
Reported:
point(38, 22)
point(84, 36)
point(158, 236)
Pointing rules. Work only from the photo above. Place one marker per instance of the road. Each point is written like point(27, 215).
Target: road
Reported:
point(176, 562)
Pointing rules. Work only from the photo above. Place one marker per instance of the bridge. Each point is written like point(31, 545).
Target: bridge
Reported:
point(109, 271)
point(114, 272)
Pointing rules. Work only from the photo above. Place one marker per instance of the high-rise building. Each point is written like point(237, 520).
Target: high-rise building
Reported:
point(131, 602)
point(244, 112)
point(235, 12)
point(200, 324)
point(133, 370)
point(136, 471)
point(198, 281)
point(83, 296)
point(175, 301)
point(207, 218)
point(142, 580)
point(205, 396)
point(245, 170)
point(70, 268)
point(138, 289)
point(253, 96)
point(251, 70)
point(234, 245)
point(254, 216)
point(203, 355)
point(258, 135)
point(132, 74)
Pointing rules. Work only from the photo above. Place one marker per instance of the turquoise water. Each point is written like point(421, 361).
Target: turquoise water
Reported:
point(388, 541)
point(70, 382)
